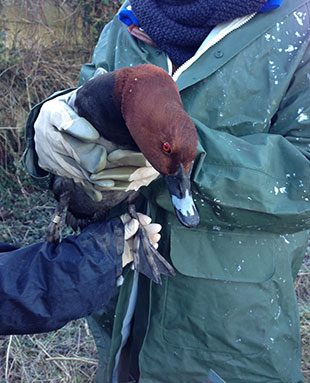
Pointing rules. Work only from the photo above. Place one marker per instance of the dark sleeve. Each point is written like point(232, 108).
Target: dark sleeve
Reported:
point(43, 286)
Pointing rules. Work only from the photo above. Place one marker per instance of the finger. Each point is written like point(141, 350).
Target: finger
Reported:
point(80, 128)
point(147, 163)
point(153, 228)
point(111, 185)
point(95, 195)
point(154, 238)
point(155, 245)
point(63, 117)
point(88, 188)
point(121, 174)
point(120, 157)
point(144, 172)
point(136, 185)
point(144, 219)
point(103, 184)
point(125, 218)
point(131, 228)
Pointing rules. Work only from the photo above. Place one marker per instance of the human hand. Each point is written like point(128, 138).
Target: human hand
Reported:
point(66, 144)
point(125, 170)
point(131, 227)
point(69, 146)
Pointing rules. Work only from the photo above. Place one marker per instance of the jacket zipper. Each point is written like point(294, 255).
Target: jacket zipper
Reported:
point(224, 30)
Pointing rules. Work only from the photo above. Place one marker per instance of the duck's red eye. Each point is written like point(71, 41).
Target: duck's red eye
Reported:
point(166, 147)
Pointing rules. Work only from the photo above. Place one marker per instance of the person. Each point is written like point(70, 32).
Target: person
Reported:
point(230, 314)
point(45, 285)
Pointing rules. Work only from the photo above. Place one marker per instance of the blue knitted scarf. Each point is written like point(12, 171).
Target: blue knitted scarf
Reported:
point(178, 27)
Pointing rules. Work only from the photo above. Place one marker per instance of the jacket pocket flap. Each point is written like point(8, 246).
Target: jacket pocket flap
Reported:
point(225, 256)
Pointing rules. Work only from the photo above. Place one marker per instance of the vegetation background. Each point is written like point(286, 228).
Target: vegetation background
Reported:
point(43, 44)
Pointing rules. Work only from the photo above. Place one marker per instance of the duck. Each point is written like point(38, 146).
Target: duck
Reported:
point(138, 109)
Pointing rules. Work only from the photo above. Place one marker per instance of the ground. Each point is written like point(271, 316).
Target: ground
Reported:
point(69, 354)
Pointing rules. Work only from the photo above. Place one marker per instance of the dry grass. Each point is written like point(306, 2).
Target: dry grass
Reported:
point(303, 295)
point(41, 51)
point(35, 75)
point(305, 337)
point(30, 70)
point(42, 47)
point(66, 355)
point(69, 354)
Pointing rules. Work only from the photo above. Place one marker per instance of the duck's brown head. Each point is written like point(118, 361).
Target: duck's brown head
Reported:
point(163, 131)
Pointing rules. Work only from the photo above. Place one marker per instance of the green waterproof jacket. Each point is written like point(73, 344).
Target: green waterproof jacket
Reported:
point(230, 314)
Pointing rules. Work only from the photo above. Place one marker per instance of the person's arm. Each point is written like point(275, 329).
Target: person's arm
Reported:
point(262, 180)
point(43, 286)
point(258, 181)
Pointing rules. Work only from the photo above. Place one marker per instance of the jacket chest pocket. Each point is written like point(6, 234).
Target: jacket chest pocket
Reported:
point(222, 297)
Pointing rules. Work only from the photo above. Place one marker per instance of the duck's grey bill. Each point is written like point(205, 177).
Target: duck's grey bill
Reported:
point(179, 187)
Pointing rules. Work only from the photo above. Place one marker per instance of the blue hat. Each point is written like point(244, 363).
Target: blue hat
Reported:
point(270, 5)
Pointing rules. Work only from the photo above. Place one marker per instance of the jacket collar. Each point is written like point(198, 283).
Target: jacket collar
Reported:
point(217, 34)
point(224, 50)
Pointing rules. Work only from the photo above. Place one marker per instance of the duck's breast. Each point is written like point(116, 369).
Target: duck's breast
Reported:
point(98, 102)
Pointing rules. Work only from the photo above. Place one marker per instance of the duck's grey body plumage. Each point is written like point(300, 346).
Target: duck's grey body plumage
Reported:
point(84, 208)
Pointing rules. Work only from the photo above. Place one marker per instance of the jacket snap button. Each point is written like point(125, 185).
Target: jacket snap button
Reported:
point(219, 54)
